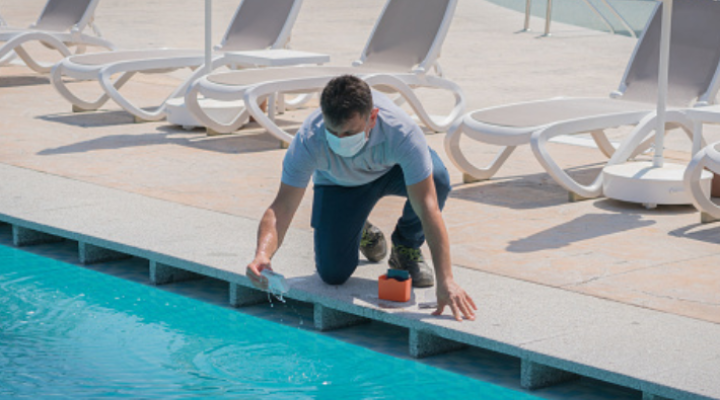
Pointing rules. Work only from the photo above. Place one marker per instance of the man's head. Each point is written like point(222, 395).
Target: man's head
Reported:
point(347, 106)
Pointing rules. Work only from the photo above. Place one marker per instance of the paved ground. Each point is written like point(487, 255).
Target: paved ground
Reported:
point(518, 225)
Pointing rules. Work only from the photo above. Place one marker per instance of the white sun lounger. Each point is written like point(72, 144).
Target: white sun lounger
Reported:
point(60, 27)
point(11, 54)
point(706, 159)
point(694, 62)
point(404, 46)
point(257, 24)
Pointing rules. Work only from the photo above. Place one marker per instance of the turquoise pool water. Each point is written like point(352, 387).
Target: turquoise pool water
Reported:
point(74, 333)
point(576, 12)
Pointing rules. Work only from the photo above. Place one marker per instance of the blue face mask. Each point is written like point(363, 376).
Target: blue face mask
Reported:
point(347, 146)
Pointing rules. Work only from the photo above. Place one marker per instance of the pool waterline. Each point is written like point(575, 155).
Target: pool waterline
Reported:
point(74, 332)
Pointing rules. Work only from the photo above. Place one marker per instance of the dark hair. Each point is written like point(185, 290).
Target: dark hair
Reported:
point(343, 97)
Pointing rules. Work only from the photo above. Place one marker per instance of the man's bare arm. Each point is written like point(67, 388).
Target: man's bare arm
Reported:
point(271, 232)
point(423, 198)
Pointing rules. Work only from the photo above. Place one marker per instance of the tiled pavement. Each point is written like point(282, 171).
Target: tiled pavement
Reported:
point(518, 225)
point(495, 368)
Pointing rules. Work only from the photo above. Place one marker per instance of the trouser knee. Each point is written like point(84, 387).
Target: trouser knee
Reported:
point(334, 265)
point(334, 273)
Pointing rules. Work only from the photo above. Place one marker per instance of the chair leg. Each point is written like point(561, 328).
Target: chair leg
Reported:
point(467, 178)
point(47, 40)
point(471, 173)
point(437, 125)
point(213, 126)
point(706, 218)
point(603, 142)
point(709, 211)
point(110, 88)
point(78, 104)
point(621, 154)
point(574, 197)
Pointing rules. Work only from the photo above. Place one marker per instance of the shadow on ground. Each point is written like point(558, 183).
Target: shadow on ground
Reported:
point(14, 81)
point(635, 208)
point(252, 139)
point(90, 119)
point(584, 227)
point(709, 233)
point(226, 144)
point(523, 192)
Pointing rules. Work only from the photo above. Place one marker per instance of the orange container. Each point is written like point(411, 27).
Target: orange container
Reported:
point(393, 290)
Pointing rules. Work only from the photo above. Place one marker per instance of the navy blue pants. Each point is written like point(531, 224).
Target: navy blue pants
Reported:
point(339, 214)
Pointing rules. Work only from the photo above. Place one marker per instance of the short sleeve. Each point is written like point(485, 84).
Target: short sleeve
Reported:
point(298, 164)
point(413, 156)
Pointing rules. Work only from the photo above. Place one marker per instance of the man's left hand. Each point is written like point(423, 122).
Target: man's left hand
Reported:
point(450, 294)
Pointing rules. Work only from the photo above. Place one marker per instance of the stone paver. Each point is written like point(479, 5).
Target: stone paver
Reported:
point(548, 329)
point(518, 225)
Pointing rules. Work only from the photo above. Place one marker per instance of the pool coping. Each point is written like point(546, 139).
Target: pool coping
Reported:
point(557, 334)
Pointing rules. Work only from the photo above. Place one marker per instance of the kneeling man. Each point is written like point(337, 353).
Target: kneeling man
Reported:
point(359, 147)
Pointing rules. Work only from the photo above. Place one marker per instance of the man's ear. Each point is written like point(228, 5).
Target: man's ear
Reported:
point(373, 117)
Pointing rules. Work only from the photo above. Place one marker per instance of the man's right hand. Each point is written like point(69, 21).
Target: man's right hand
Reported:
point(273, 226)
point(254, 272)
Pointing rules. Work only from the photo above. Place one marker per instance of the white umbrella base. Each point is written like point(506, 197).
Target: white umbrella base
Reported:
point(221, 111)
point(641, 182)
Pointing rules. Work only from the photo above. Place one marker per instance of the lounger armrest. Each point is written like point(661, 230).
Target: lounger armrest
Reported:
point(419, 70)
point(76, 33)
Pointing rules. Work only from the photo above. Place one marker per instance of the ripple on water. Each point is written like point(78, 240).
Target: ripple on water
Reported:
point(74, 333)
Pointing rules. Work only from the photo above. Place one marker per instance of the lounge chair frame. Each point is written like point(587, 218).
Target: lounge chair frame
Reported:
point(427, 73)
point(112, 75)
point(631, 110)
point(59, 40)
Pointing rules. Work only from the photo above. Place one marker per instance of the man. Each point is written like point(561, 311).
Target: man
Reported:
point(359, 147)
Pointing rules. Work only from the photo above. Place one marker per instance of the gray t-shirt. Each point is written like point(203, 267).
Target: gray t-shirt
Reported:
point(395, 140)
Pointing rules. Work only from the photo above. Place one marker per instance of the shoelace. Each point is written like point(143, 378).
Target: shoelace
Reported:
point(410, 253)
point(367, 239)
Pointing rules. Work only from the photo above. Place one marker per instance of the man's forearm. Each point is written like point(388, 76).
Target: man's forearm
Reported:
point(437, 239)
point(269, 238)
point(276, 220)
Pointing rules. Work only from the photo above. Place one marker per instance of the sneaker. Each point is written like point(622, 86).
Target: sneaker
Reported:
point(372, 244)
point(412, 260)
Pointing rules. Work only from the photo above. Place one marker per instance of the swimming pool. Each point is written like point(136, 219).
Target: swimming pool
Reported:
point(71, 332)
point(576, 12)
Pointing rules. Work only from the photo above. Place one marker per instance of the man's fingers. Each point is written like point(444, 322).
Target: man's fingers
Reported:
point(440, 309)
point(455, 311)
point(466, 310)
point(463, 308)
point(256, 278)
point(470, 300)
point(253, 272)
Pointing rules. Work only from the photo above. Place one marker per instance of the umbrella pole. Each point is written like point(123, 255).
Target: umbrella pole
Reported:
point(208, 36)
point(656, 182)
point(667, 6)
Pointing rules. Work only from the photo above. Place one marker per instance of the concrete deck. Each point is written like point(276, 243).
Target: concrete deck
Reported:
point(555, 333)
point(537, 263)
